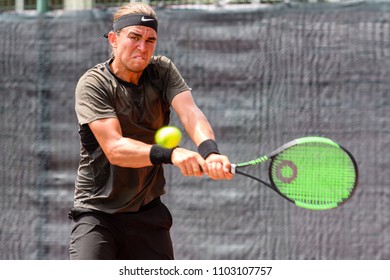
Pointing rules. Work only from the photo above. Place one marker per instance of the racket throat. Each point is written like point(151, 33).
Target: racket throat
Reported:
point(233, 168)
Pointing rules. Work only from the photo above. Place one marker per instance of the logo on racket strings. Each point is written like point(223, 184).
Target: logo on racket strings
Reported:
point(286, 171)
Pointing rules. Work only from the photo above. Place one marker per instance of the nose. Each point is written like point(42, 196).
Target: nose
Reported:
point(141, 45)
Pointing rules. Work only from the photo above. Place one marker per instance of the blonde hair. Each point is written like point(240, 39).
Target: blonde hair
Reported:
point(134, 8)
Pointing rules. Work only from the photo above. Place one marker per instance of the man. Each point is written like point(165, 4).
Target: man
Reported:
point(120, 105)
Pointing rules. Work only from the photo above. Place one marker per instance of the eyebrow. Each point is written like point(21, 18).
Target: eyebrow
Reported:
point(140, 35)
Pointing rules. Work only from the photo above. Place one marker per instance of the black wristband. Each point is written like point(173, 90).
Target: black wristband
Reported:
point(207, 148)
point(160, 155)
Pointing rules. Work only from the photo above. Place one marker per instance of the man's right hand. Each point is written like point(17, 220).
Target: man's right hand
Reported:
point(189, 162)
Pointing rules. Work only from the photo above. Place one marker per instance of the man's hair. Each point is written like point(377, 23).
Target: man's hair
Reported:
point(134, 8)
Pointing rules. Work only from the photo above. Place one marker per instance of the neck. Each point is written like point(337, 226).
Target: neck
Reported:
point(124, 74)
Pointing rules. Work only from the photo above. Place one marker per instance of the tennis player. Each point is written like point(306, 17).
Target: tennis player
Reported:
point(120, 104)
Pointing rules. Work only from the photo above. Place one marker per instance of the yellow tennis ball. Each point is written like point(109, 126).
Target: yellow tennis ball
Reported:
point(168, 137)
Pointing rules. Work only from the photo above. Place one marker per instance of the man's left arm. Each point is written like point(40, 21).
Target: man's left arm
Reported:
point(199, 129)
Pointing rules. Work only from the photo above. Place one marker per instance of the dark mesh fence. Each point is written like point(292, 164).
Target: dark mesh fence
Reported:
point(262, 76)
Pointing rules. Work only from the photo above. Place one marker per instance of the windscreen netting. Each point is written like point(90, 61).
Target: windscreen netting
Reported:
point(263, 77)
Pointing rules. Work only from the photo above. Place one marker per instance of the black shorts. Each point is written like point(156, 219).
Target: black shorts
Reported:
point(142, 235)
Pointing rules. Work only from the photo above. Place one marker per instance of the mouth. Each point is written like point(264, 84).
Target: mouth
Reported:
point(138, 57)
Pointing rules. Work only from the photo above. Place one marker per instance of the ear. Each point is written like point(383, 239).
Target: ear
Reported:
point(112, 38)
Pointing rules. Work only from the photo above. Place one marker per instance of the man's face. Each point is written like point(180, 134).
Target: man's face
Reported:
point(134, 47)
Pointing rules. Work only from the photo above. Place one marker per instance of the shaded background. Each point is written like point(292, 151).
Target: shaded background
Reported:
point(262, 76)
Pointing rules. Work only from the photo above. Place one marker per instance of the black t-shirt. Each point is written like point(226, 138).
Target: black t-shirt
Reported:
point(141, 111)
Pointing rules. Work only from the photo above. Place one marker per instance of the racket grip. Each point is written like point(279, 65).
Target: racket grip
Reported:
point(233, 168)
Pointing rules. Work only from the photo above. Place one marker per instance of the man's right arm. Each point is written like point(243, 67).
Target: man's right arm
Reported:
point(118, 149)
point(127, 152)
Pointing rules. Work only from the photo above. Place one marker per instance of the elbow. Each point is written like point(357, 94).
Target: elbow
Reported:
point(113, 156)
point(114, 161)
point(134, 158)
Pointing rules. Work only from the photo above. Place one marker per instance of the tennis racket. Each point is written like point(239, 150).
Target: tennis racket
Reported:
point(313, 172)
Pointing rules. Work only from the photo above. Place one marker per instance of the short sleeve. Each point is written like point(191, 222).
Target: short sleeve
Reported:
point(92, 99)
point(173, 80)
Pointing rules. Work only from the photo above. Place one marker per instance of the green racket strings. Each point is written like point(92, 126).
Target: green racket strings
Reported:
point(314, 175)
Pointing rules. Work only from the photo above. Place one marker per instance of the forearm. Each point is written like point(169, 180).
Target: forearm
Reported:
point(194, 121)
point(198, 127)
point(126, 152)
point(119, 150)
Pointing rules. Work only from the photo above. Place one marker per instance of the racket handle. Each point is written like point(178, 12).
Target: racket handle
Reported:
point(233, 168)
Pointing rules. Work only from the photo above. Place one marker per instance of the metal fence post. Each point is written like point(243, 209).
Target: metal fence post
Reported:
point(42, 6)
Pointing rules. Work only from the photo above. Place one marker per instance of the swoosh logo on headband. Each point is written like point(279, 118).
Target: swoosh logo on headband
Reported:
point(147, 19)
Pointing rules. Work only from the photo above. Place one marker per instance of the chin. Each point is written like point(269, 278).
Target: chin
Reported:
point(137, 69)
point(138, 66)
